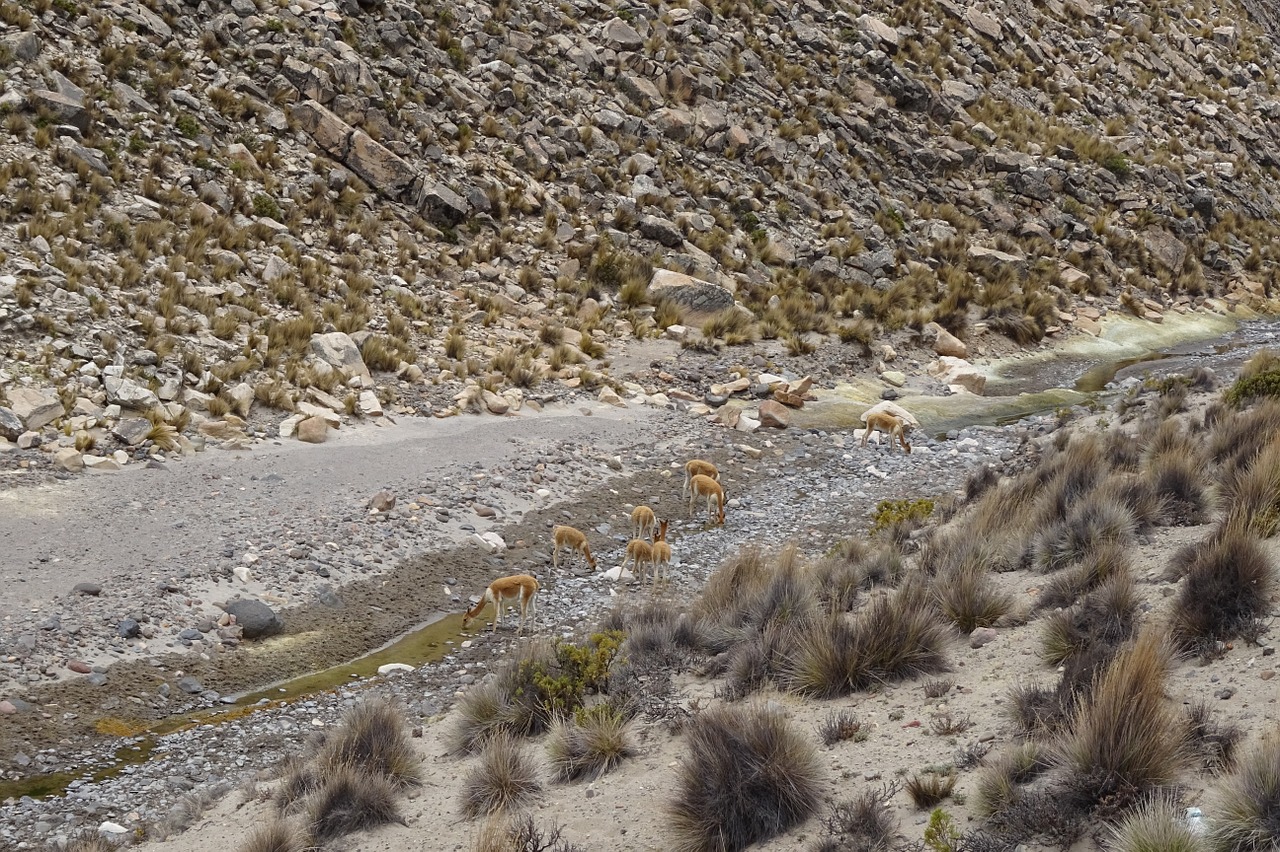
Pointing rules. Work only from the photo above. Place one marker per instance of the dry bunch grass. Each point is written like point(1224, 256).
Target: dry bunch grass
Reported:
point(747, 776)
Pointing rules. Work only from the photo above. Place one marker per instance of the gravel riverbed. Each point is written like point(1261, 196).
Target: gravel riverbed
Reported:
point(356, 577)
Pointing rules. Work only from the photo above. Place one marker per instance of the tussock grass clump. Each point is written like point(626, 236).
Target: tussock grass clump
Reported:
point(1099, 565)
point(969, 598)
point(351, 800)
point(1211, 741)
point(1237, 439)
point(1125, 739)
point(1251, 496)
point(930, 788)
point(1226, 588)
point(747, 776)
point(1038, 711)
point(1095, 519)
point(372, 738)
point(841, 725)
point(1096, 626)
point(862, 824)
point(301, 779)
point(505, 778)
point(1158, 825)
point(999, 782)
point(591, 747)
point(1245, 814)
point(897, 636)
point(277, 836)
point(1178, 480)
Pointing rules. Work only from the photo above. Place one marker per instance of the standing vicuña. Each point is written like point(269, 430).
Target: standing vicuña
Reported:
point(520, 589)
point(643, 522)
point(892, 425)
point(574, 540)
point(640, 555)
point(698, 467)
point(705, 486)
point(661, 558)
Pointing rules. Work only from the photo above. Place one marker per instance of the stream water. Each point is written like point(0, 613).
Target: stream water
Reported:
point(1022, 389)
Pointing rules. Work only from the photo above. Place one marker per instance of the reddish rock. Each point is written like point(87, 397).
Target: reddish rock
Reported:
point(79, 667)
point(774, 414)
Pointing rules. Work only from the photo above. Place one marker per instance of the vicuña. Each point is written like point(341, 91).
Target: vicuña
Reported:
point(892, 425)
point(705, 486)
point(520, 589)
point(643, 522)
point(698, 467)
point(573, 539)
point(640, 555)
point(661, 558)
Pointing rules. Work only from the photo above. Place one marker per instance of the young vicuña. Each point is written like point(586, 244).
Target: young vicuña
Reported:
point(705, 486)
point(640, 555)
point(892, 425)
point(574, 540)
point(698, 467)
point(661, 558)
point(643, 522)
point(519, 589)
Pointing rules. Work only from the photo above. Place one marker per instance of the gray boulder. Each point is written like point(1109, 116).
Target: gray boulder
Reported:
point(693, 293)
point(35, 408)
point(10, 424)
point(255, 618)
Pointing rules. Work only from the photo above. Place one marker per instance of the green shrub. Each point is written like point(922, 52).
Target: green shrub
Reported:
point(265, 205)
point(187, 125)
point(891, 512)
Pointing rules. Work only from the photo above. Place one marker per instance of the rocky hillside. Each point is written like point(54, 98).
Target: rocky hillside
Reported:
point(209, 205)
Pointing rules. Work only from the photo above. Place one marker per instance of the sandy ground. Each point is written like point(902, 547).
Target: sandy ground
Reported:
point(99, 526)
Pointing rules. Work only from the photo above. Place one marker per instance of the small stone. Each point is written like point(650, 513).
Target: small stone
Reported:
point(128, 628)
point(190, 685)
point(79, 667)
point(383, 501)
point(90, 589)
point(981, 636)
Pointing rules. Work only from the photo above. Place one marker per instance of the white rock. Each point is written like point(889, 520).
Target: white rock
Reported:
point(243, 574)
point(747, 423)
point(102, 464)
point(388, 668)
point(112, 828)
point(618, 573)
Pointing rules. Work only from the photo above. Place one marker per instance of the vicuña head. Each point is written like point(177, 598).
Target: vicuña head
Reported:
point(892, 425)
point(661, 558)
point(519, 589)
point(705, 486)
point(573, 539)
point(698, 467)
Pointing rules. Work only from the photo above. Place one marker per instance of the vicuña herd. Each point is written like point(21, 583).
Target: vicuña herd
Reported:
point(648, 549)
